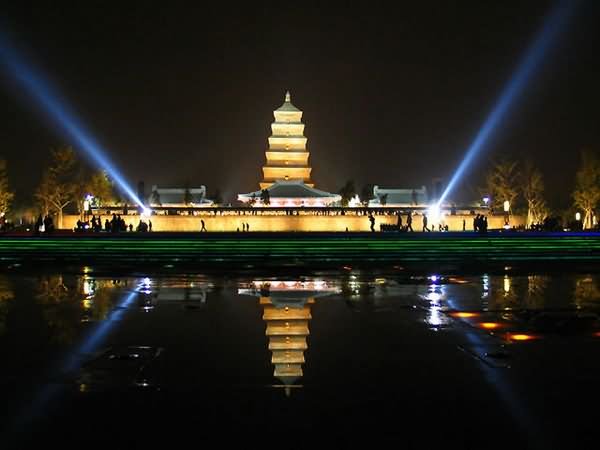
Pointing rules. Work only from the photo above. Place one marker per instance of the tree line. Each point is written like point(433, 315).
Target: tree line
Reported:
point(64, 183)
point(522, 185)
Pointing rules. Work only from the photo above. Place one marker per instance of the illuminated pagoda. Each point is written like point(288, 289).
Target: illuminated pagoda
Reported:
point(286, 310)
point(286, 175)
point(287, 157)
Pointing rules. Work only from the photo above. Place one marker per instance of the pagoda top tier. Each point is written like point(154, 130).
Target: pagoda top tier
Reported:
point(287, 105)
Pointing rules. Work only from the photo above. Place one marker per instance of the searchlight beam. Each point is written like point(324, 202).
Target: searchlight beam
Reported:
point(48, 102)
point(554, 23)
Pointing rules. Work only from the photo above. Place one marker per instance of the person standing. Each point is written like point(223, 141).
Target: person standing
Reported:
point(425, 223)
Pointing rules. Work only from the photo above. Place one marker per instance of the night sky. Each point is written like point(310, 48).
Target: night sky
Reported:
point(390, 96)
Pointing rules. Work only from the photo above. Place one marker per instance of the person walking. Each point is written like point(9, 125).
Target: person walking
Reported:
point(203, 228)
point(425, 223)
point(409, 222)
point(372, 220)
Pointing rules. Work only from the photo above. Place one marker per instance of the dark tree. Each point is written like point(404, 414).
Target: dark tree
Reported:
point(265, 197)
point(347, 192)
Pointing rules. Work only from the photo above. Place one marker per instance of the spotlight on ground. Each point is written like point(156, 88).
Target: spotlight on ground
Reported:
point(49, 103)
point(546, 37)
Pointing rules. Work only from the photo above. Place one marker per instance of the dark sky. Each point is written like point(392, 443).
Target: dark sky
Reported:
point(391, 96)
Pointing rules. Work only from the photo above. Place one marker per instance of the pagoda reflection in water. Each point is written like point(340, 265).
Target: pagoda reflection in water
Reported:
point(287, 311)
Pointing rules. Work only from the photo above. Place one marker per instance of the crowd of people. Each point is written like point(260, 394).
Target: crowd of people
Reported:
point(44, 225)
point(115, 225)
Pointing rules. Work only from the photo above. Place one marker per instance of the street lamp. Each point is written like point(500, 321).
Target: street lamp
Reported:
point(506, 206)
point(577, 216)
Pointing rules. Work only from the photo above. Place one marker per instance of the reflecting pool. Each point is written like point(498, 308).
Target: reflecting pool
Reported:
point(481, 360)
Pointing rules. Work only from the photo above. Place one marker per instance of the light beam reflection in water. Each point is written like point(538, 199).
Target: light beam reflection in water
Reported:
point(293, 334)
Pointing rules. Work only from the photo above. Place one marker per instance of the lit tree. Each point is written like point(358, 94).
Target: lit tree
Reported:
point(101, 188)
point(58, 186)
point(347, 192)
point(587, 186)
point(6, 195)
point(532, 184)
point(501, 183)
point(97, 184)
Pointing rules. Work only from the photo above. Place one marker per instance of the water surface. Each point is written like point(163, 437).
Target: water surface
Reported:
point(477, 360)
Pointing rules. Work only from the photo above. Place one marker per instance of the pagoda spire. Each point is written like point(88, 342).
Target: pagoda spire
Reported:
point(288, 97)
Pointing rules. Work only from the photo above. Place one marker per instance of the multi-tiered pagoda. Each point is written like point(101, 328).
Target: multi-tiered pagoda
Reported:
point(287, 157)
point(286, 175)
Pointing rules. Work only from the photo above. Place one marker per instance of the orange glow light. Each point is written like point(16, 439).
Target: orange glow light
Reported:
point(464, 315)
point(490, 325)
point(521, 337)
point(597, 334)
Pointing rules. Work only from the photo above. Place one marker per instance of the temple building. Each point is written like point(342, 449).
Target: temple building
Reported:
point(399, 198)
point(179, 197)
point(287, 175)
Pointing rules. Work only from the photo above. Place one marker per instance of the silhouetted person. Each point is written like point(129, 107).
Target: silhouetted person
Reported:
point(107, 225)
point(372, 220)
point(409, 222)
point(114, 224)
point(247, 226)
point(425, 223)
point(203, 228)
point(464, 224)
point(399, 224)
point(476, 223)
point(149, 225)
point(48, 224)
point(38, 224)
point(243, 226)
point(130, 227)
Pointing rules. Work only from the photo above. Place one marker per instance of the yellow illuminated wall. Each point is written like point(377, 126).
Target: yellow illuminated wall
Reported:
point(290, 223)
